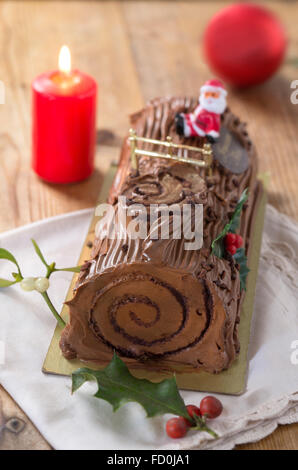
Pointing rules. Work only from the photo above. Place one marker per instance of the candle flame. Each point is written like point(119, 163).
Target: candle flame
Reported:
point(64, 60)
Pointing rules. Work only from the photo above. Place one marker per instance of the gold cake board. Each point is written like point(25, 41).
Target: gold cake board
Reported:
point(231, 381)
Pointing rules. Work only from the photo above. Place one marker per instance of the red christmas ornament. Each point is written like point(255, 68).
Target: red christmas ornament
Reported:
point(244, 44)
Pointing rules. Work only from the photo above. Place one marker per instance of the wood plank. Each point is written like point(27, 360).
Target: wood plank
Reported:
point(134, 49)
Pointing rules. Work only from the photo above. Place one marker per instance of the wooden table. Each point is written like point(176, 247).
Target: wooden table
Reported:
point(136, 50)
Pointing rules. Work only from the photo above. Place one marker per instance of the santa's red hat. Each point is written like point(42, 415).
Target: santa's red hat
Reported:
point(214, 85)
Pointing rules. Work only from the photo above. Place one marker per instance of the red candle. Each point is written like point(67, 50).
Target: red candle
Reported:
point(64, 118)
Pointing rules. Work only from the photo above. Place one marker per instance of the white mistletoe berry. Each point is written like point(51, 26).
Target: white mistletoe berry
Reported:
point(28, 284)
point(42, 284)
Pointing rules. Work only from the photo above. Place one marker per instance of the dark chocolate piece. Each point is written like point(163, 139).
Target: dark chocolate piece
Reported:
point(230, 151)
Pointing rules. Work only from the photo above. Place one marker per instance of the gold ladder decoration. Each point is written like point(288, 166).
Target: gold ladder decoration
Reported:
point(206, 151)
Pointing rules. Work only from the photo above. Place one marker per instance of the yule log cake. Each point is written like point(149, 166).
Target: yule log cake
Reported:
point(154, 303)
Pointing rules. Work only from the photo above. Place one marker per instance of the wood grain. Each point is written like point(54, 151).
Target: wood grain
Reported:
point(136, 50)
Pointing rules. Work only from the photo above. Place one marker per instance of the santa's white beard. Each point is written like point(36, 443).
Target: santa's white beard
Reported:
point(213, 105)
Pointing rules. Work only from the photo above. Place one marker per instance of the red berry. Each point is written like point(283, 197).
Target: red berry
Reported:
point(231, 249)
point(192, 410)
point(239, 241)
point(230, 239)
point(176, 427)
point(211, 407)
point(188, 423)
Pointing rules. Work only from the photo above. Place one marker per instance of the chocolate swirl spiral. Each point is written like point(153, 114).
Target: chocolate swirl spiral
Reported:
point(129, 314)
point(168, 187)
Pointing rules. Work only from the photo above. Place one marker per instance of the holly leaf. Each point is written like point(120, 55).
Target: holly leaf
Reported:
point(235, 219)
point(117, 386)
point(241, 259)
point(217, 244)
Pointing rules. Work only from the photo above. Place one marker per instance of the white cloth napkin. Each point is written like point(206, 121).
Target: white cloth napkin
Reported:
point(84, 422)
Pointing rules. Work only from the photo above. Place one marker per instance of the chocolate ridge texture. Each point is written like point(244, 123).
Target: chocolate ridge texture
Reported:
point(154, 303)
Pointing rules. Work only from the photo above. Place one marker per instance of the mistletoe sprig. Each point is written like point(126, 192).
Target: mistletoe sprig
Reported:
point(39, 284)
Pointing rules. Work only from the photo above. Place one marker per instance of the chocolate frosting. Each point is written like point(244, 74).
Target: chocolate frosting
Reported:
point(152, 301)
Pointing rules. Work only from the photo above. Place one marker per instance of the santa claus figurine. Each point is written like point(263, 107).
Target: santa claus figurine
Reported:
point(205, 119)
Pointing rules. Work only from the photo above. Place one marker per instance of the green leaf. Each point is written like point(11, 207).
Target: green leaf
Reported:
point(39, 253)
point(75, 269)
point(5, 254)
point(218, 247)
point(235, 219)
point(241, 259)
point(117, 386)
point(217, 244)
point(6, 282)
